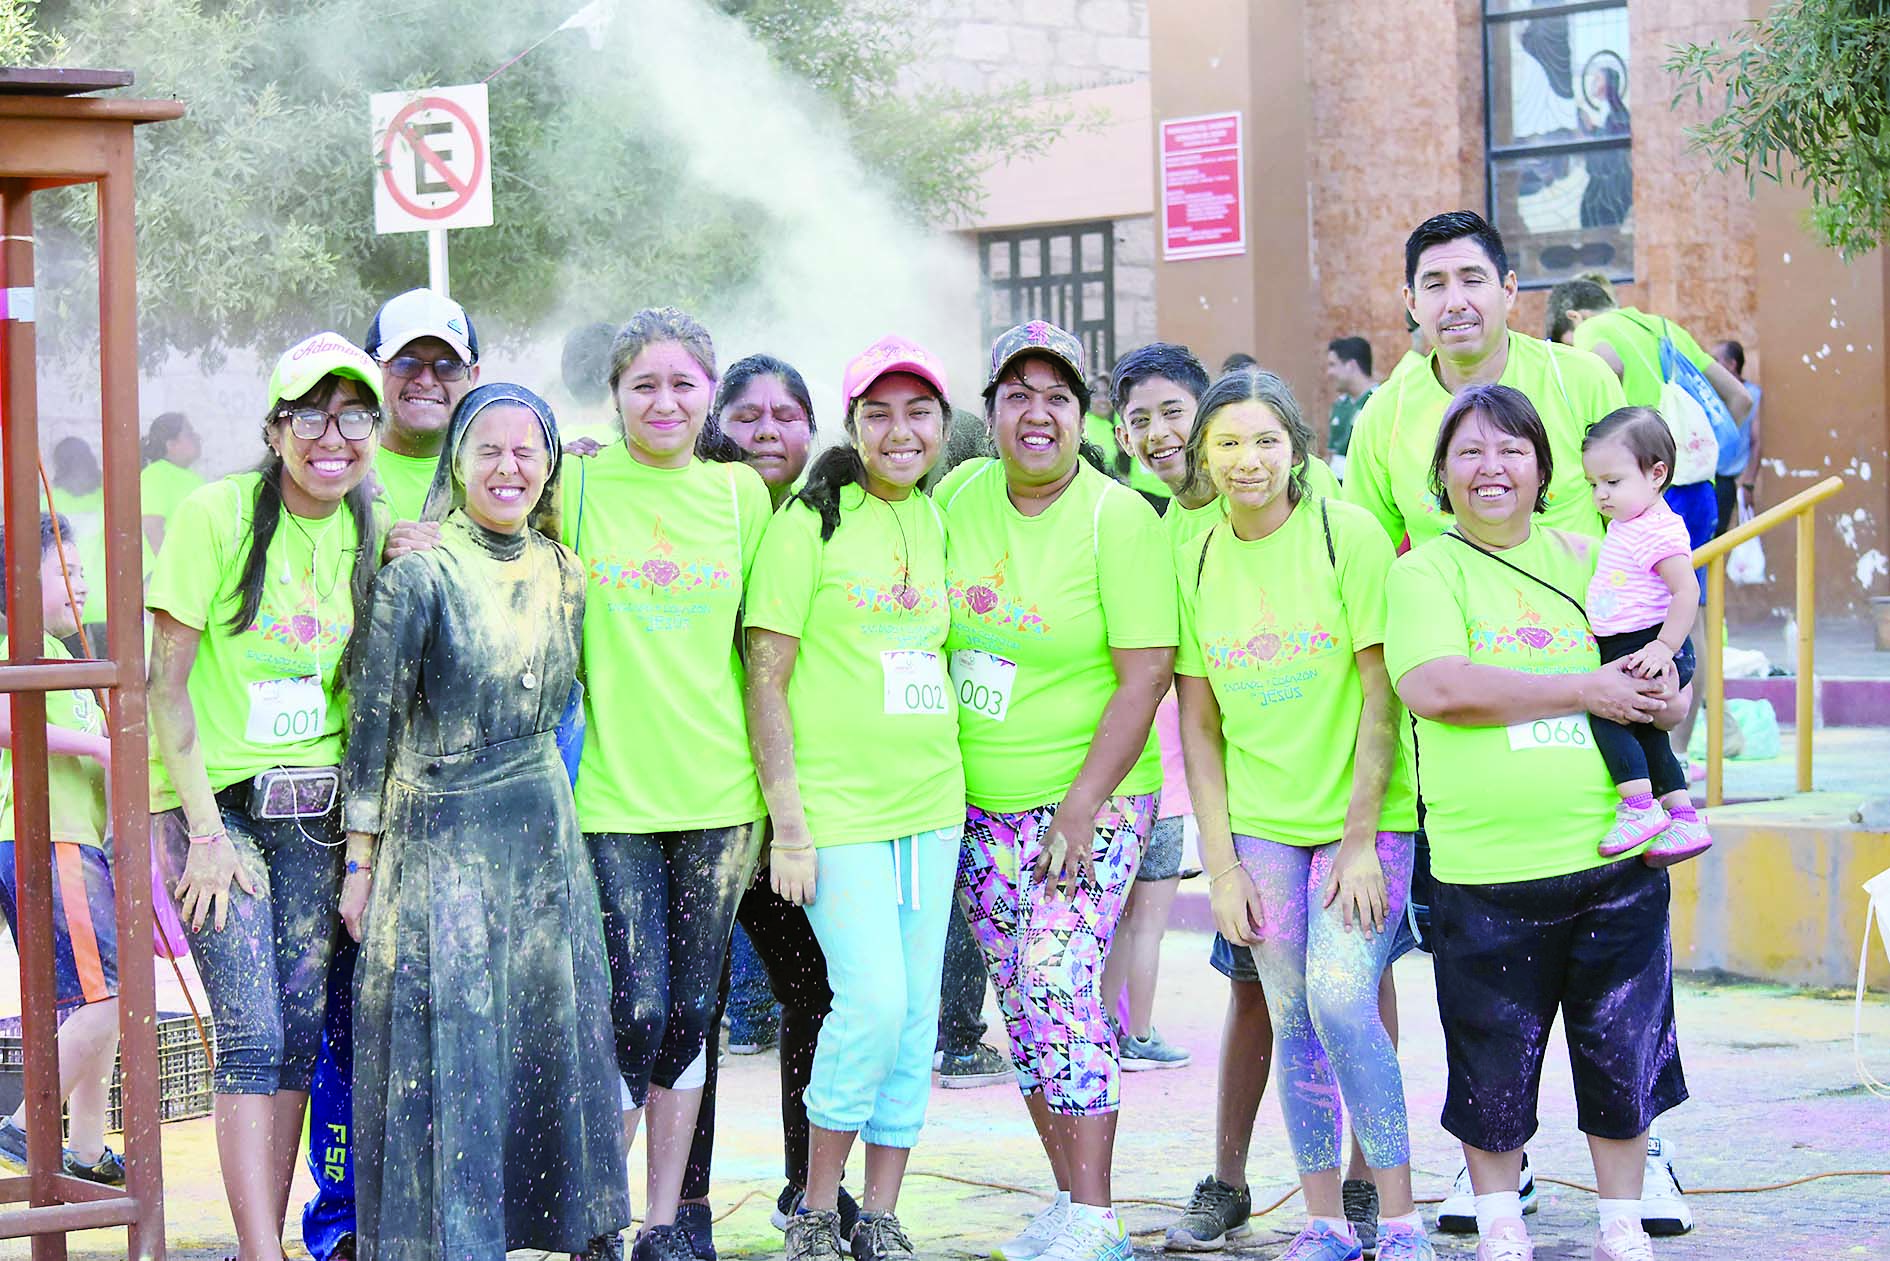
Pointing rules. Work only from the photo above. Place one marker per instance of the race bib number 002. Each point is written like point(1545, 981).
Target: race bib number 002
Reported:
point(1568, 731)
point(983, 682)
point(286, 711)
point(914, 683)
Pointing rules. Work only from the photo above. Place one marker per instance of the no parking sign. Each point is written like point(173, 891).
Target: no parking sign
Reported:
point(432, 159)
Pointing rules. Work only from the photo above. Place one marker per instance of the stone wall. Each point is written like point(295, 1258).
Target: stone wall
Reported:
point(983, 46)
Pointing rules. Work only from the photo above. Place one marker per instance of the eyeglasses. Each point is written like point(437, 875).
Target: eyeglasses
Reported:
point(310, 423)
point(407, 367)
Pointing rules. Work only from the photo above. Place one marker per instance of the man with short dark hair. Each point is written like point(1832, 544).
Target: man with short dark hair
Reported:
point(1349, 372)
point(1459, 291)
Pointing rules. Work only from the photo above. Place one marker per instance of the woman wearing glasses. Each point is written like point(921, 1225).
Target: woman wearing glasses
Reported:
point(254, 600)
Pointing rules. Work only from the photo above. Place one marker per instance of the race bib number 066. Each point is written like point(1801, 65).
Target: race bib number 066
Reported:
point(1568, 731)
point(983, 682)
point(286, 711)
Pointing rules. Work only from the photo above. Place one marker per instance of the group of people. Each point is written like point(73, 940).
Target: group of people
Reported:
point(471, 743)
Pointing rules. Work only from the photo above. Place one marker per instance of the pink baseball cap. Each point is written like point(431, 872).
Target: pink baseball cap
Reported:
point(891, 353)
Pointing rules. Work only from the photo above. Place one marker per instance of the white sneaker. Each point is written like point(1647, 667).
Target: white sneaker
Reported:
point(1664, 1210)
point(1085, 1237)
point(1457, 1215)
point(1033, 1240)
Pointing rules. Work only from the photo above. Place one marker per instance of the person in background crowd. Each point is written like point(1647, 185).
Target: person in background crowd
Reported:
point(1488, 646)
point(1349, 372)
point(1063, 635)
point(1281, 663)
point(1099, 428)
point(261, 582)
point(1740, 462)
point(485, 1101)
point(1238, 360)
point(85, 924)
point(582, 366)
point(429, 356)
point(170, 447)
point(855, 735)
point(763, 416)
point(666, 789)
point(1459, 289)
point(79, 490)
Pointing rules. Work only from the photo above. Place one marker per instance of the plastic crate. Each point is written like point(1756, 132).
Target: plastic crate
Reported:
point(183, 1072)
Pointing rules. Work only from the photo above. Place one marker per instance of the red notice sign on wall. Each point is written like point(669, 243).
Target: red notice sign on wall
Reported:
point(1201, 185)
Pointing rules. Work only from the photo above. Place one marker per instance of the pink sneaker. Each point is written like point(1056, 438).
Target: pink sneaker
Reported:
point(1625, 1242)
point(1508, 1240)
point(1683, 839)
point(1633, 828)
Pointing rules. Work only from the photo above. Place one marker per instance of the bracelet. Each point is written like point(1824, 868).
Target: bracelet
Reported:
point(354, 867)
point(791, 849)
point(206, 837)
point(1233, 866)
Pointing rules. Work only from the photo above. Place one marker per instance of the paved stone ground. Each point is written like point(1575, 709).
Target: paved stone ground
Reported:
point(1775, 1097)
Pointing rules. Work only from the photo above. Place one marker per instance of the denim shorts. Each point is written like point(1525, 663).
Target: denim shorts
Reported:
point(1161, 857)
point(1236, 962)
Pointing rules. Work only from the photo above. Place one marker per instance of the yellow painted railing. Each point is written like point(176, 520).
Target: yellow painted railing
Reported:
point(1713, 555)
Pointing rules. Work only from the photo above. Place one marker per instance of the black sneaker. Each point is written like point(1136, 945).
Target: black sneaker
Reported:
point(661, 1243)
point(12, 1145)
point(108, 1170)
point(603, 1248)
point(1216, 1213)
point(880, 1237)
point(814, 1235)
point(788, 1203)
point(697, 1223)
point(1360, 1197)
point(980, 1066)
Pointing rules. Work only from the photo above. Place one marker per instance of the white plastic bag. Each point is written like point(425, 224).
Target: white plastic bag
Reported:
point(1878, 889)
point(1745, 565)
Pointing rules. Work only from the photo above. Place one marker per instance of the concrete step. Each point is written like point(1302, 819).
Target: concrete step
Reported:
point(1844, 701)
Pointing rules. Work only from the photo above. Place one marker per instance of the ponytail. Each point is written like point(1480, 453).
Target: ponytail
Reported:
point(834, 469)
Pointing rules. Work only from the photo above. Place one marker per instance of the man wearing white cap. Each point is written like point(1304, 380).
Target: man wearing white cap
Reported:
point(429, 357)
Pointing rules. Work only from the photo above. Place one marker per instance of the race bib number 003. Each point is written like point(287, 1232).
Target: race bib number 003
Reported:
point(983, 682)
point(914, 683)
point(286, 711)
point(1568, 731)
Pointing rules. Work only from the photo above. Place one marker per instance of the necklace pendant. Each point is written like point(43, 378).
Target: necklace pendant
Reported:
point(529, 679)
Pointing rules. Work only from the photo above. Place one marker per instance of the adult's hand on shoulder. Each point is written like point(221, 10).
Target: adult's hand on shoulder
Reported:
point(410, 536)
point(583, 446)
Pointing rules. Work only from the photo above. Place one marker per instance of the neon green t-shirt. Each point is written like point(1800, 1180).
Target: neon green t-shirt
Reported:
point(1190, 523)
point(76, 785)
point(667, 554)
point(1101, 433)
point(86, 515)
point(405, 480)
point(1388, 465)
point(1523, 802)
point(1635, 337)
point(1037, 604)
point(875, 721)
point(163, 485)
point(1274, 628)
point(271, 694)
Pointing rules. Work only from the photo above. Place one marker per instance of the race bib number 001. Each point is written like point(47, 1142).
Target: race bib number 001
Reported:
point(1568, 731)
point(914, 683)
point(286, 711)
point(983, 682)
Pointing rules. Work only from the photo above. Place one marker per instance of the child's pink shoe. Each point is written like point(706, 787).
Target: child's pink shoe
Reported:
point(1683, 839)
point(1625, 1241)
point(1634, 826)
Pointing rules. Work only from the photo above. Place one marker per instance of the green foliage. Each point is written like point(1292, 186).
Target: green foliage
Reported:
point(256, 209)
point(1807, 100)
point(22, 42)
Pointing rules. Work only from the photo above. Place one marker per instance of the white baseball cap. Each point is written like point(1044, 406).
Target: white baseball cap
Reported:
point(421, 313)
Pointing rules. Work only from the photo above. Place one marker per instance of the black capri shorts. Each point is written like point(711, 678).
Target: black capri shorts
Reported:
point(1592, 945)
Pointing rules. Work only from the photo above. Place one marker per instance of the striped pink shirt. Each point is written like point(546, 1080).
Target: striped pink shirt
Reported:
point(1626, 594)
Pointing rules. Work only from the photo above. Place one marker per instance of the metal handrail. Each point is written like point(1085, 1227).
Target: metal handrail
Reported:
point(1712, 554)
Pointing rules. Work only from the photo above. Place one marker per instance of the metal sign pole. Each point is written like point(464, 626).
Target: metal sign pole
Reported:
point(436, 261)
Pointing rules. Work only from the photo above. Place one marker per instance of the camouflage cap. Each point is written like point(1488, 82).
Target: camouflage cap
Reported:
point(1038, 337)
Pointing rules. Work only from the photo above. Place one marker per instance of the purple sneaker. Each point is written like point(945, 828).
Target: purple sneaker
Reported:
point(1633, 828)
point(1319, 1242)
point(1682, 839)
point(1398, 1242)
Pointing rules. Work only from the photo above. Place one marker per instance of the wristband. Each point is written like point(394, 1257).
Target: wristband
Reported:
point(1233, 866)
point(206, 837)
point(792, 849)
point(354, 867)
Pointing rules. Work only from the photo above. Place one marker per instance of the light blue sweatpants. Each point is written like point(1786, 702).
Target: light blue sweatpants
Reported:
point(880, 912)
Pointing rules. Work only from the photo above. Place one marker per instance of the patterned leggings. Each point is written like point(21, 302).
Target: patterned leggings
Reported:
point(1046, 951)
point(1322, 991)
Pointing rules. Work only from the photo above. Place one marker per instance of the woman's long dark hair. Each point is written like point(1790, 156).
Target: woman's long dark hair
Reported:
point(158, 438)
point(266, 516)
point(841, 466)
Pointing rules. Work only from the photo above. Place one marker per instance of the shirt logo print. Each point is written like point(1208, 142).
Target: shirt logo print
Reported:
point(985, 600)
point(657, 571)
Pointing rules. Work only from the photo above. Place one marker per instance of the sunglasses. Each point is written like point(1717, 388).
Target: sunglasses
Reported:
point(309, 423)
point(407, 367)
